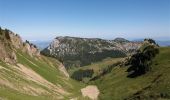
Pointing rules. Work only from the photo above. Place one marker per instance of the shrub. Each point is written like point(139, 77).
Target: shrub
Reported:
point(141, 61)
point(27, 42)
point(7, 36)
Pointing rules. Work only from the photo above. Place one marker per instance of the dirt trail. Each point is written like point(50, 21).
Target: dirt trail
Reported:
point(90, 91)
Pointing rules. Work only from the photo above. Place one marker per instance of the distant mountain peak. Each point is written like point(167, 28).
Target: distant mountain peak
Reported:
point(119, 39)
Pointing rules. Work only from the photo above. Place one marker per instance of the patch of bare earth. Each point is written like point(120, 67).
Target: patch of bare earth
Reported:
point(32, 75)
point(13, 83)
point(4, 81)
point(28, 74)
point(90, 91)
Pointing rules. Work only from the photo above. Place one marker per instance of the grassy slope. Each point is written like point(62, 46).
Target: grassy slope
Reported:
point(97, 67)
point(45, 67)
point(113, 86)
point(116, 86)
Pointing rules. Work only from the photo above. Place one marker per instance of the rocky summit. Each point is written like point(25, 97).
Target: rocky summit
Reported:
point(77, 52)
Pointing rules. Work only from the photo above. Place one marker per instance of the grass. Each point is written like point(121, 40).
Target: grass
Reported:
point(116, 86)
point(102, 64)
point(47, 68)
point(10, 94)
point(97, 67)
point(113, 86)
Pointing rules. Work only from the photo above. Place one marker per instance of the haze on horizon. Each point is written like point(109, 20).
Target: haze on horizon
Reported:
point(108, 19)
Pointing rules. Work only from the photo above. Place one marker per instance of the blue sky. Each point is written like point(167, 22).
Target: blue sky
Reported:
point(46, 19)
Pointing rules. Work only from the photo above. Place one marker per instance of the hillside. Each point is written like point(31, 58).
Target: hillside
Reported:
point(153, 85)
point(95, 70)
point(111, 77)
point(78, 52)
point(27, 75)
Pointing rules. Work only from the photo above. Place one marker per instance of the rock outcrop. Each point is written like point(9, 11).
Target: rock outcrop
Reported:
point(31, 49)
point(15, 40)
point(10, 42)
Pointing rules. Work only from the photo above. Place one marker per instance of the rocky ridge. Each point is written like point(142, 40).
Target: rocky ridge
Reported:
point(74, 51)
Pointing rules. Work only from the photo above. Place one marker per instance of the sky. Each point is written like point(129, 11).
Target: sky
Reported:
point(108, 19)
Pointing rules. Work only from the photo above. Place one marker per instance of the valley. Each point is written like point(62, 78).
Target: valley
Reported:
point(84, 49)
point(27, 73)
point(30, 75)
point(151, 86)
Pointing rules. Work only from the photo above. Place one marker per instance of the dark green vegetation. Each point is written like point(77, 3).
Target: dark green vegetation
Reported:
point(140, 62)
point(80, 74)
point(151, 86)
point(95, 70)
point(88, 58)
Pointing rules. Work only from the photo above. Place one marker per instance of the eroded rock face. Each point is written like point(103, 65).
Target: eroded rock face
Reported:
point(13, 56)
point(31, 49)
point(73, 51)
point(27, 47)
point(10, 42)
point(6, 53)
point(8, 57)
point(16, 40)
point(34, 50)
